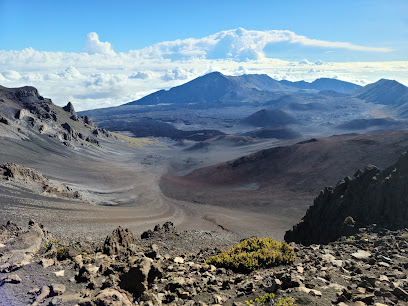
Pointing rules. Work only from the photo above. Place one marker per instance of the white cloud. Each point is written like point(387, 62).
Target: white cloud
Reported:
point(71, 73)
point(240, 44)
point(142, 75)
point(101, 78)
point(304, 62)
point(179, 74)
point(94, 46)
point(11, 75)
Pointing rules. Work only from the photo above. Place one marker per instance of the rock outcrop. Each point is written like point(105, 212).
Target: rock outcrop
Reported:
point(369, 197)
point(119, 242)
point(34, 180)
point(26, 113)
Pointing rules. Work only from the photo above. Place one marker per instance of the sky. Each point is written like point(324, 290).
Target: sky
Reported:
point(106, 53)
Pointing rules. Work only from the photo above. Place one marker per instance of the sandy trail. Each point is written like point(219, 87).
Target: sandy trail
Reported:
point(121, 187)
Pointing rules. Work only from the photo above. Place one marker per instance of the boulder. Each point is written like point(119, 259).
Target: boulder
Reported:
point(88, 121)
point(22, 113)
point(70, 109)
point(142, 274)
point(4, 120)
point(112, 297)
point(118, 242)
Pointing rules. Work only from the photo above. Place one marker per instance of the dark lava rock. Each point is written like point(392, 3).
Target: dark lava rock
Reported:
point(118, 242)
point(167, 227)
point(88, 121)
point(69, 108)
point(369, 197)
point(4, 120)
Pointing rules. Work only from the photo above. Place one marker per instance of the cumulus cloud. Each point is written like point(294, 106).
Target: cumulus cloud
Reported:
point(100, 77)
point(11, 75)
point(178, 74)
point(304, 62)
point(94, 46)
point(240, 44)
point(142, 75)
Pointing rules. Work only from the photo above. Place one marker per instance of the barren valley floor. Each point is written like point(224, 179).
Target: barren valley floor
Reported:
point(120, 186)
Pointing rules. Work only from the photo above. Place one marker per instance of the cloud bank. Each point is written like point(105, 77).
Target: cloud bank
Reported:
point(101, 77)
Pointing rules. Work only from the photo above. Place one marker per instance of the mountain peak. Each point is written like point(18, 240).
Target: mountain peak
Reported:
point(384, 91)
point(324, 84)
point(215, 88)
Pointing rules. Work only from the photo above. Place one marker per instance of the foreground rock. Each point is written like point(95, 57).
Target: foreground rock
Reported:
point(369, 197)
point(367, 268)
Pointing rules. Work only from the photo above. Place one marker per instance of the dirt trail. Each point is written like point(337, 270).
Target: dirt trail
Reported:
point(119, 186)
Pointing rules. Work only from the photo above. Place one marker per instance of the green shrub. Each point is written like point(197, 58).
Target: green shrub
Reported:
point(404, 236)
point(287, 301)
point(349, 221)
point(262, 300)
point(63, 253)
point(268, 298)
point(254, 253)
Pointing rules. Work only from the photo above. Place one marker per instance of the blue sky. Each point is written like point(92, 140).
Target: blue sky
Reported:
point(129, 25)
point(105, 53)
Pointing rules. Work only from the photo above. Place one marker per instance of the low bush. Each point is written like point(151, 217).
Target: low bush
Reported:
point(286, 301)
point(254, 253)
point(349, 221)
point(269, 299)
point(63, 253)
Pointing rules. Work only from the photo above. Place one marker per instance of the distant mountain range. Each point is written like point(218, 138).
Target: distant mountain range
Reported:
point(196, 106)
point(218, 88)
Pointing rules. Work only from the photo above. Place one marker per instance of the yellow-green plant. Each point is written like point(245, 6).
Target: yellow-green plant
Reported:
point(262, 300)
point(285, 301)
point(268, 298)
point(349, 221)
point(254, 253)
point(404, 236)
point(62, 253)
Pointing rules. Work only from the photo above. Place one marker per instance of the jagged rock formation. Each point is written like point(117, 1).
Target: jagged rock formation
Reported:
point(168, 227)
point(34, 180)
point(369, 197)
point(120, 241)
point(70, 109)
point(26, 113)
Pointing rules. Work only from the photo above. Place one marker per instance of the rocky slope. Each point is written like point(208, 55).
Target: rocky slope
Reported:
point(368, 197)
point(305, 166)
point(11, 173)
point(168, 267)
point(25, 114)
